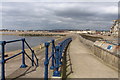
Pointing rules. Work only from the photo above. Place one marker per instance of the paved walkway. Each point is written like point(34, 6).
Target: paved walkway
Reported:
point(85, 65)
point(81, 64)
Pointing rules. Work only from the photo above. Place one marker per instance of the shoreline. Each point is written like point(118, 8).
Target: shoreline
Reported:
point(34, 33)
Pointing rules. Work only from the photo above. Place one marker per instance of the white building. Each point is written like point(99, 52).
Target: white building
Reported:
point(115, 28)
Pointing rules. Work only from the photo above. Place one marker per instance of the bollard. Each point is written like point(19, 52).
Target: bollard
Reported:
point(56, 73)
point(23, 54)
point(3, 61)
point(46, 61)
point(53, 49)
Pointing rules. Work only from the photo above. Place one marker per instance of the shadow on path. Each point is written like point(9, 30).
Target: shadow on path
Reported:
point(21, 72)
point(67, 65)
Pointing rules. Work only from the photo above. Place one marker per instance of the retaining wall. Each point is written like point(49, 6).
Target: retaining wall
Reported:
point(109, 56)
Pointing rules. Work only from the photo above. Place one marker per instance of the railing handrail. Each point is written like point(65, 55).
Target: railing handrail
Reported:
point(3, 61)
point(14, 40)
point(56, 57)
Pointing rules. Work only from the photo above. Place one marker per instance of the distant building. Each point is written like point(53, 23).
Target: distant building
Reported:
point(115, 28)
point(83, 32)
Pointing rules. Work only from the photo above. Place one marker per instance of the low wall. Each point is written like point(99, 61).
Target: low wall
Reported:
point(110, 57)
point(107, 56)
point(88, 43)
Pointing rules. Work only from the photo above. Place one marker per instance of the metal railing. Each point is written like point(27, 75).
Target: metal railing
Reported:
point(23, 52)
point(56, 56)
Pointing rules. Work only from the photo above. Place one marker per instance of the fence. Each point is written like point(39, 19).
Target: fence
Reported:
point(56, 56)
point(23, 65)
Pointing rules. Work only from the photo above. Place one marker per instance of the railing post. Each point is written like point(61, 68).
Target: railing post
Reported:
point(56, 72)
point(62, 47)
point(46, 61)
point(37, 62)
point(23, 54)
point(3, 61)
point(60, 53)
point(53, 50)
point(32, 57)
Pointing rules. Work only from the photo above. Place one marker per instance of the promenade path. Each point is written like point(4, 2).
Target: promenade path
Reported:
point(83, 64)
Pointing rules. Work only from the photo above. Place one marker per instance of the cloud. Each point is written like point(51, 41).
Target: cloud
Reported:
point(60, 0)
point(81, 15)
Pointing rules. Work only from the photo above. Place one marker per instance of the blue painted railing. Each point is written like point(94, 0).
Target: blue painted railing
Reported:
point(23, 65)
point(56, 56)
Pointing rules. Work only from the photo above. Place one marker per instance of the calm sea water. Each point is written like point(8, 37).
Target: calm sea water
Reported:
point(33, 41)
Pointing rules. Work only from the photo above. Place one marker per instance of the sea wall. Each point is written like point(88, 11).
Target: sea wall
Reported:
point(106, 52)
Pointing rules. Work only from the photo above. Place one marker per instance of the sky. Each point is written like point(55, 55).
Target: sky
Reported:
point(27, 15)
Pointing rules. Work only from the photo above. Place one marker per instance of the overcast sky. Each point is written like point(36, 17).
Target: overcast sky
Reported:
point(58, 15)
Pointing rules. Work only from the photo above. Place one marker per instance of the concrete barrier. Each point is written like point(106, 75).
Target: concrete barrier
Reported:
point(107, 52)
